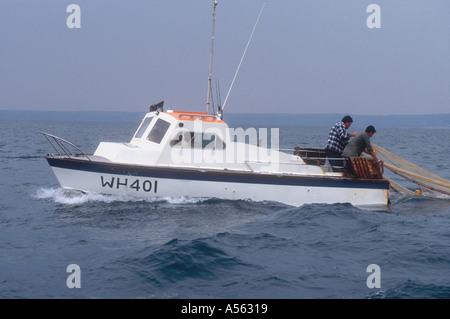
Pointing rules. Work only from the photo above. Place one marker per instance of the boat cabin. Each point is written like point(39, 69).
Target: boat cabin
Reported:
point(194, 139)
point(173, 137)
point(181, 129)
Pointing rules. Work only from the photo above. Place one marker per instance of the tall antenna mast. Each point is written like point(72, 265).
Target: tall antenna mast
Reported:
point(211, 60)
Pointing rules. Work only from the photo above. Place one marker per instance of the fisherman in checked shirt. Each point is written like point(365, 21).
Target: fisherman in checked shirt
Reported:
point(338, 138)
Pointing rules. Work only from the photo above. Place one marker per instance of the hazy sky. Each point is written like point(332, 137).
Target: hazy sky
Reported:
point(306, 56)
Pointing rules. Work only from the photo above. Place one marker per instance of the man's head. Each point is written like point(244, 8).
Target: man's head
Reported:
point(347, 120)
point(370, 130)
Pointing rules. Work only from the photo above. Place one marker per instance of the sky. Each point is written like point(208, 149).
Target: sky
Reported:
point(305, 56)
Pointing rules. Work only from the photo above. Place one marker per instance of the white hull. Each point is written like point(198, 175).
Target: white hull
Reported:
point(157, 186)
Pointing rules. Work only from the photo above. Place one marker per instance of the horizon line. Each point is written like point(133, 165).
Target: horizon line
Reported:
point(237, 113)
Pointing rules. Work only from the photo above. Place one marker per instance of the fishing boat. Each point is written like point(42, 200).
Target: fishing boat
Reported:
point(176, 154)
point(194, 154)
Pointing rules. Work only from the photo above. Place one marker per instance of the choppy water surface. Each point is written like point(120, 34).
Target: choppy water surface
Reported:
point(209, 247)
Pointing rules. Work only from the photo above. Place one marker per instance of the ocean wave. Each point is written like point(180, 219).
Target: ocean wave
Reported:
point(180, 260)
point(413, 290)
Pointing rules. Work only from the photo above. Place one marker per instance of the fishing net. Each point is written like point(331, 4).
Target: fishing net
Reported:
point(428, 182)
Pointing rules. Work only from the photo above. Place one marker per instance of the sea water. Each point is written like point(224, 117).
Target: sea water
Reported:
point(173, 248)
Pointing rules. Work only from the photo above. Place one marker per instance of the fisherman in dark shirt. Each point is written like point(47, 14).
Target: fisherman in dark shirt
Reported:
point(338, 138)
point(361, 143)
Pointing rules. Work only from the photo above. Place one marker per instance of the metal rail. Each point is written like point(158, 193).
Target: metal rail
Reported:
point(64, 146)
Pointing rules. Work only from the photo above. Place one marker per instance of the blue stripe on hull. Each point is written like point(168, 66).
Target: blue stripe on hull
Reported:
point(214, 175)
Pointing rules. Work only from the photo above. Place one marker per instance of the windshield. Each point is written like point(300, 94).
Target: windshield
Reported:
point(158, 131)
point(143, 127)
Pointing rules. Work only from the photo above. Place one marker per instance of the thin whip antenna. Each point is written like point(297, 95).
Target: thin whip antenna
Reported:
point(243, 55)
point(211, 60)
point(218, 94)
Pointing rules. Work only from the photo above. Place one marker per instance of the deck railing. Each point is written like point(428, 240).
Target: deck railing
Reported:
point(63, 147)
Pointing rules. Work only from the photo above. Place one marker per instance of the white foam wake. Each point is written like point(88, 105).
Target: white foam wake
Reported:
point(73, 197)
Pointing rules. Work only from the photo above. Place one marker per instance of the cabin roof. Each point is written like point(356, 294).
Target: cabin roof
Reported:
point(193, 116)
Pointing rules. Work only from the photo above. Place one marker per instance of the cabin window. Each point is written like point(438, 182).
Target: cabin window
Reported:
point(158, 131)
point(143, 127)
point(209, 140)
point(197, 140)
